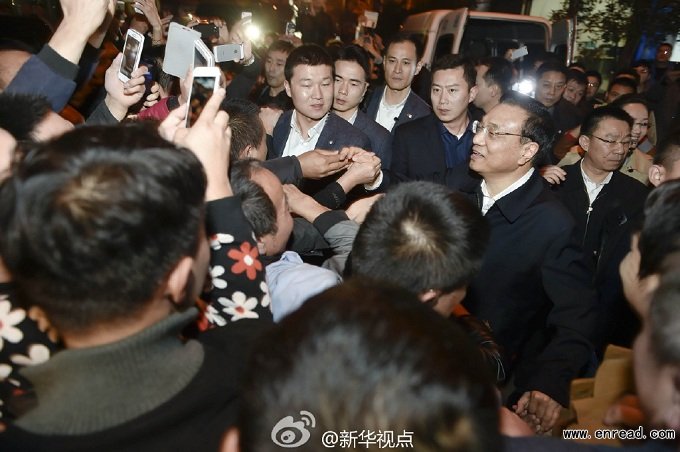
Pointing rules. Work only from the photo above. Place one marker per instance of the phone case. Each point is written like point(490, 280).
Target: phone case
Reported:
point(179, 50)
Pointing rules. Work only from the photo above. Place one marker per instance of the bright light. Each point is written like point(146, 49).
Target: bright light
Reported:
point(253, 32)
point(525, 86)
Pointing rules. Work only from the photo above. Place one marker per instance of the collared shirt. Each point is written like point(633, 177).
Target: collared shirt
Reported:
point(488, 201)
point(354, 117)
point(388, 114)
point(297, 144)
point(457, 149)
point(593, 188)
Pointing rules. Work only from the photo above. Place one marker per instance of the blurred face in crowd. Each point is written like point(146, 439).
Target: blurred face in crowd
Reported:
point(311, 90)
point(401, 65)
point(640, 116)
point(550, 87)
point(616, 91)
point(451, 94)
point(643, 72)
point(574, 92)
point(655, 383)
point(274, 243)
point(7, 145)
point(273, 69)
point(495, 154)
point(663, 53)
point(593, 87)
point(350, 86)
point(608, 146)
point(484, 98)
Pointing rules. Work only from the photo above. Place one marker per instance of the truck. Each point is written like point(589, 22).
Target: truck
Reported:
point(480, 33)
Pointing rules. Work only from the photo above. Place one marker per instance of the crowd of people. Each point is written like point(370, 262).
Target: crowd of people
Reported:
point(344, 236)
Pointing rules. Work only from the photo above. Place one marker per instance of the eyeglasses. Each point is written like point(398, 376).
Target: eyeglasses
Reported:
point(477, 127)
point(611, 143)
point(593, 84)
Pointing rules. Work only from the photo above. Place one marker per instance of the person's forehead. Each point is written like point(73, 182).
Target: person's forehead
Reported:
point(345, 67)
point(593, 79)
point(553, 76)
point(482, 69)
point(277, 55)
point(621, 88)
point(575, 83)
point(505, 116)
point(612, 125)
point(306, 71)
point(637, 111)
point(445, 77)
point(403, 49)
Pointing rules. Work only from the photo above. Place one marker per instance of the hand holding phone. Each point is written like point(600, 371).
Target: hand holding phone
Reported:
point(206, 80)
point(132, 52)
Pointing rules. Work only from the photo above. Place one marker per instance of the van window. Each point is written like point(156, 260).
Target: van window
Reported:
point(444, 46)
point(484, 37)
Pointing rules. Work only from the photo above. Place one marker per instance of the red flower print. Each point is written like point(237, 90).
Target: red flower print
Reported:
point(246, 260)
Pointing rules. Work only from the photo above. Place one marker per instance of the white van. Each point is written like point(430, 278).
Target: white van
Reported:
point(479, 34)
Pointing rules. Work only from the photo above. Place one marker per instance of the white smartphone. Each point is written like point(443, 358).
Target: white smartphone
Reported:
point(205, 82)
point(132, 52)
point(228, 52)
point(203, 57)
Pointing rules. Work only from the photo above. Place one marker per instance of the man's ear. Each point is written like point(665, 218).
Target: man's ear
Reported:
point(419, 66)
point(473, 93)
point(495, 91)
point(177, 281)
point(366, 85)
point(528, 151)
point(584, 142)
point(230, 441)
point(656, 174)
point(261, 247)
point(286, 86)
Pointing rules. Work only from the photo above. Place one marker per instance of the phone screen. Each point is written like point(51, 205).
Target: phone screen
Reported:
point(132, 48)
point(201, 90)
point(199, 59)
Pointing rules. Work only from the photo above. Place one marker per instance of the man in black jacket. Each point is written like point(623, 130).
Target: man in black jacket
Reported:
point(606, 204)
point(533, 288)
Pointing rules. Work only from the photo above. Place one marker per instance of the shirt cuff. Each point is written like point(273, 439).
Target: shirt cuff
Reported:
point(376, 183)
point(58, 63)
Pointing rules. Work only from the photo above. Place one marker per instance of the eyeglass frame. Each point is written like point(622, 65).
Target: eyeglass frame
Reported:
point(477, 127)
point(610, 143)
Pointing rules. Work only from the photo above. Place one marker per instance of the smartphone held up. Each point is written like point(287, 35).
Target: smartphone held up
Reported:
point(132, 52)
point(206, 80)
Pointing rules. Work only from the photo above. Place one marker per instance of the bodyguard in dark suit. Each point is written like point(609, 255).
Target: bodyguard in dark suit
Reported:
point(311, 125)
point(606, 205)
point(351, 82)
point(395, 103)
point(533, 288)
point(426, 147)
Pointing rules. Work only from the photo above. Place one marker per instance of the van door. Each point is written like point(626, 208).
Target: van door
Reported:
point(563, 39)
point(449, 33)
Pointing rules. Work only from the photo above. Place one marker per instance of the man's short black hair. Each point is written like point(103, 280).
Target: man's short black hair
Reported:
point(309, 55)
point(499, 73)
point(623, 81)
point(627, 72)
point(421, 236)
point(281, 46)
point(551, 66)
point(577, 76)
point(660, 235)
point(414, 39)
point(246, 126)
point(93, 222)
point(451, 61)
point(356, 54)
point(630, 99)
point(361, 356)
point(668, 151)
point(578, 66)
point(597, 115)
point(539, 126)
point(20, 114)
point(664, 319)
point(257, 207)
